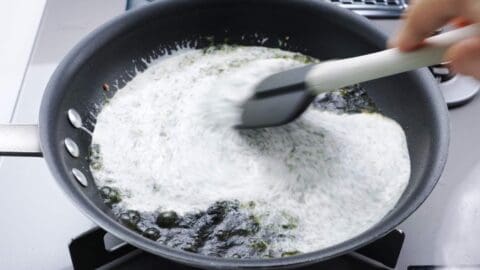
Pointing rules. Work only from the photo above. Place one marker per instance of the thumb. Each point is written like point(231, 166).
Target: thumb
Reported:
point(465, 57)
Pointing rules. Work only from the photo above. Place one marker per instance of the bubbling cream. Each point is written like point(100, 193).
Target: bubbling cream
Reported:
point(167, 143)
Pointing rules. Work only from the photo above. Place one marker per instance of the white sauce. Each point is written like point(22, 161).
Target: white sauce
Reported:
point(167, 143)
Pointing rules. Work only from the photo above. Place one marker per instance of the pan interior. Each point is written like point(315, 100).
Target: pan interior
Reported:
point(111, 56)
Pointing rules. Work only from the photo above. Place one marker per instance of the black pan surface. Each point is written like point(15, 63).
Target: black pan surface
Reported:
point(113, 53)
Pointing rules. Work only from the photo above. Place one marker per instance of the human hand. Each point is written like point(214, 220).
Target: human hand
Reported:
point(425, 16)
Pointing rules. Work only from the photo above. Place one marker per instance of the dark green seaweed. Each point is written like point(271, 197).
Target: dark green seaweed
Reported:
point(351, 99)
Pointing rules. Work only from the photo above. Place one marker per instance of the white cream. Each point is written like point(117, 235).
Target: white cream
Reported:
point(167, 143)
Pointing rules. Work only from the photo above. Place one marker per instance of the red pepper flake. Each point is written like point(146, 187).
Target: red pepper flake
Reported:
point(106, 87)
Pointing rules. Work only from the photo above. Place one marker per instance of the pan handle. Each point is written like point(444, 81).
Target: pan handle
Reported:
point(20, 140)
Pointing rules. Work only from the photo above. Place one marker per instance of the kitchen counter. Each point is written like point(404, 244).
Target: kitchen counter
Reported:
point(19, 22)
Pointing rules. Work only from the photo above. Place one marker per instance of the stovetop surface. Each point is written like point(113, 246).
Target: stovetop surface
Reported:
point(39, 221)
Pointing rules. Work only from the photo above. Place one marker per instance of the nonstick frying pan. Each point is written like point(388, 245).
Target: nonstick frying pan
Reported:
point(111, 55)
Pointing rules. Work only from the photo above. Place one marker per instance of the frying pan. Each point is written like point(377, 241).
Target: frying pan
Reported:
point(115, 52)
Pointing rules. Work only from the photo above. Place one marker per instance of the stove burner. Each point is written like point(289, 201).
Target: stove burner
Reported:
point(459, 90)
point(91, 250)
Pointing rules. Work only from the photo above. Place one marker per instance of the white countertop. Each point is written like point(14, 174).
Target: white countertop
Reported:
point(19, 22)
point(39, 220)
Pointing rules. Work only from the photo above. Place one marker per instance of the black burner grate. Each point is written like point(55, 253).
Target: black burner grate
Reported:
point(89, 251)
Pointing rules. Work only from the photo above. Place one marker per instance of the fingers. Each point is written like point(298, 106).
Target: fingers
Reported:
point(426, 16)
point(423, 18)
point(465, 57)
point(471, 10)
point(460, 22)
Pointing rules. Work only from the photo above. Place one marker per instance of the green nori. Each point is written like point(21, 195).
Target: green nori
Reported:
point(351, 99)
point(290, 253)
point(223, 230)
point(110, 195)
point(95, 157)
point(151, 233)
point(167, 219)
point(130, 219)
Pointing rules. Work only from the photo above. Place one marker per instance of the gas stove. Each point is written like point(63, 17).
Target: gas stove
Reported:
point(97, 249)
point(41, 229)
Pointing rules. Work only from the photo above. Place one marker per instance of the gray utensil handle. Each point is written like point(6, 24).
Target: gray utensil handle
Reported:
point(20, 140)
